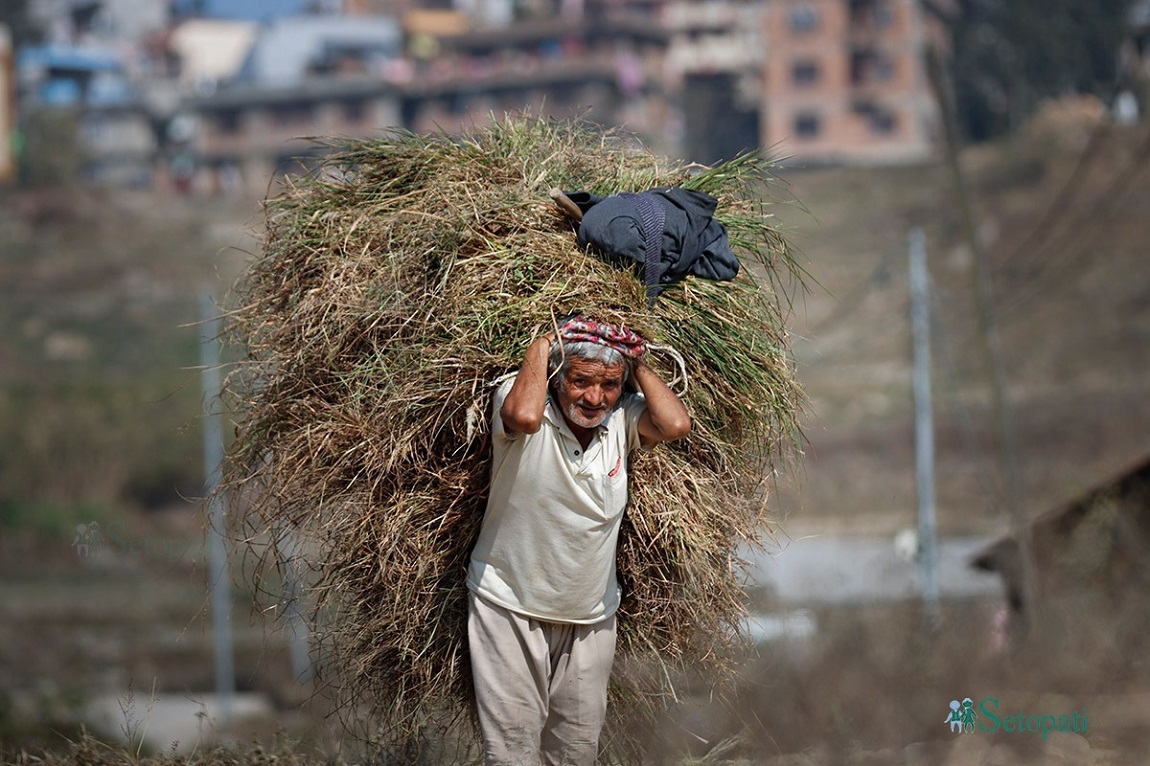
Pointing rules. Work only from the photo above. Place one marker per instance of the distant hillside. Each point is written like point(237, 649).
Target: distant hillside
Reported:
point(1065, 214)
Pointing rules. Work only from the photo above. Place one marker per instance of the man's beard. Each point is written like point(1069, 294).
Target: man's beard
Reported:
point(577, 416)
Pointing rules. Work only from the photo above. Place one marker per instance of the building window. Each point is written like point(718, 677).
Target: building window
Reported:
point(355, 110)
point(883, 15)
point(456, 104)
point(804, 73)
point(882, 68)
point(804, 18)
point(808, 125)
point(871, 14)
point(564, 96)
point(869, 66)
point(298, 113)
point(881, 122)
point(228, 121)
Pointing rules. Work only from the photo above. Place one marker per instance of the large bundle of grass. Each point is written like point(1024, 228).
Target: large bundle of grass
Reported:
point(395, 284)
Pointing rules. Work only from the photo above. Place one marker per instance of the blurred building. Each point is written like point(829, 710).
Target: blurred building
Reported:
point(714, 71)
point(84, 83)
point(220, 104)
point(1090, 560)
point(7, 108)
point(201, 54)
point(300, 49)
point(89, 88)
point(245, 135)
point(432, 70)
point(607, 73)
point(844, 80)
point(824, 80)
point(84, 21)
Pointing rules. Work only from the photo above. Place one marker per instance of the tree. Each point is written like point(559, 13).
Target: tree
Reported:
point(1010, 55)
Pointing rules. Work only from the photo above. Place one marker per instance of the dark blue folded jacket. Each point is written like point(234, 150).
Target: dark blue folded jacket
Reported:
point(671, 230)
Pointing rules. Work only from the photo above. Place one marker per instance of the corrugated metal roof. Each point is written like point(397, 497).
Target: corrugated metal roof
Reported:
point(69, 57)
point(1065, 515)
point(212, 49)
point(284, 50)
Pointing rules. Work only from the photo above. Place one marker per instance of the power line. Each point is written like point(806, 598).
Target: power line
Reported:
point(1070, 251)
point(1054, 216)
point(853, 299)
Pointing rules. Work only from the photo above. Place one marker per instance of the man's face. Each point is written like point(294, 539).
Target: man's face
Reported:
point(588, 392)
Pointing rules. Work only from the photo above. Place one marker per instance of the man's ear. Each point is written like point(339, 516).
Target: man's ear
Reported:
point(554, 361)
point(630, 385)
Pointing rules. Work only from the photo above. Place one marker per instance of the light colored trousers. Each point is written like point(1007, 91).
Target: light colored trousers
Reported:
point(540, 687)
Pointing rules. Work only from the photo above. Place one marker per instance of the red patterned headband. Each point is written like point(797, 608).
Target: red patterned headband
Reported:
point(581, 329)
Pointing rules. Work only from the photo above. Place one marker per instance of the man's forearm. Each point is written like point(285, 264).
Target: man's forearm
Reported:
point(666, 413)
point(522, 410)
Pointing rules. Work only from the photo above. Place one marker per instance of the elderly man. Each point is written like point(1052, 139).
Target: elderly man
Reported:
point(542, 575)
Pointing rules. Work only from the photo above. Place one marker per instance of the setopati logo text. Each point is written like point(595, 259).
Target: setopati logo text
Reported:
point(91, 540)
point(988, 717)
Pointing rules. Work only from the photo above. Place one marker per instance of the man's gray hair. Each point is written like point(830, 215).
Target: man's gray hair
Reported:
point(559, 360)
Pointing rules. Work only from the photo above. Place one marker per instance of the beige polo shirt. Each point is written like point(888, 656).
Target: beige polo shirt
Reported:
point(546, 548)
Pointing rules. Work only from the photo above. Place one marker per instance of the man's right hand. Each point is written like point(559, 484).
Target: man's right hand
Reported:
point(522, 410)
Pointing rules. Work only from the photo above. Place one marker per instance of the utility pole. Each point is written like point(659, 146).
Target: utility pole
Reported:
point(924, 428)
point(219, 582)
point(991, 348)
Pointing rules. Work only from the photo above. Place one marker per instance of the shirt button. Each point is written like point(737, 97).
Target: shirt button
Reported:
point(576, 453)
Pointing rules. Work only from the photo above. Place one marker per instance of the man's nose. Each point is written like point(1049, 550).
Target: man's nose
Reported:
point(593, 396)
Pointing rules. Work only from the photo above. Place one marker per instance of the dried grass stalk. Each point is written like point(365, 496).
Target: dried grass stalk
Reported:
point(394, 285)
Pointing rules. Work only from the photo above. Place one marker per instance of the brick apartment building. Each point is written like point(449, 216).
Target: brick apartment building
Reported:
point(844, 81)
